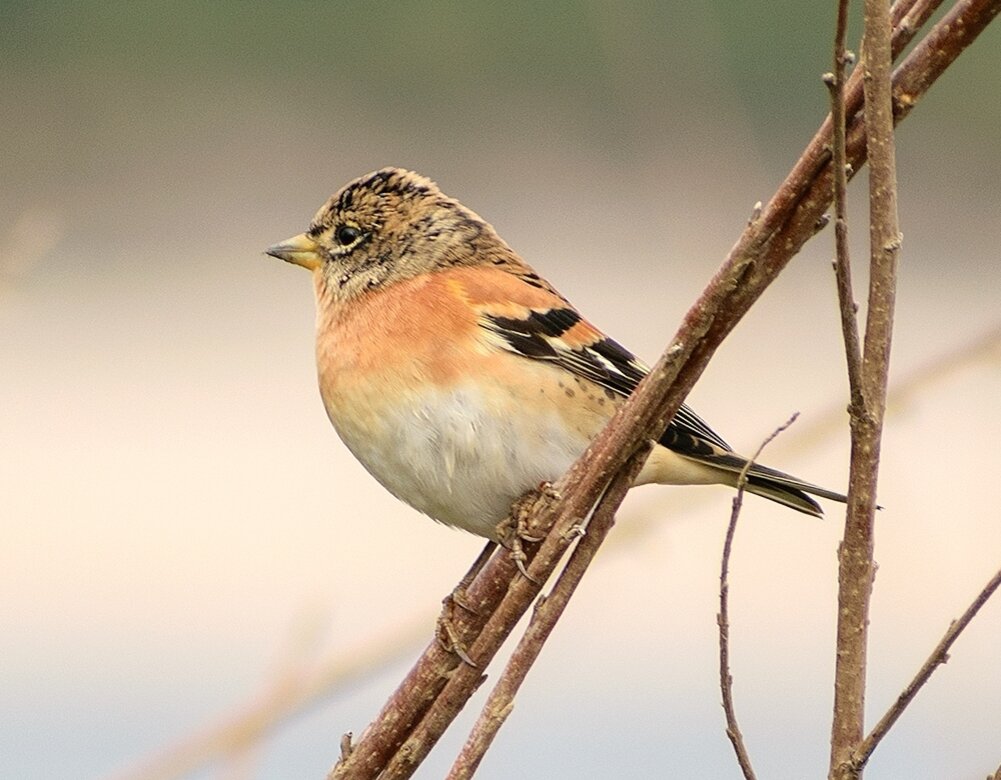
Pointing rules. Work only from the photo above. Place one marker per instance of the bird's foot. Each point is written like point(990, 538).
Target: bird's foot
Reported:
point(519, 527)
point(446, 632)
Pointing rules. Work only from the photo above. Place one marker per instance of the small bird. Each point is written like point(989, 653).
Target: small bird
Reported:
point(458, 376)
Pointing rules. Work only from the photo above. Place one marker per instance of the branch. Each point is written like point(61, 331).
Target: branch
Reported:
point(723, 618)
point(856, 565)
point(809, 185)
point(939, 656)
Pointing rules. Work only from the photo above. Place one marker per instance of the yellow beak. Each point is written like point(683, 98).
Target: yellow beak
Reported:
point(301, 250)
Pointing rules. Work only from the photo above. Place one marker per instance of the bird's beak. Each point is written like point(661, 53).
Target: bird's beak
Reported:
point(301, 250)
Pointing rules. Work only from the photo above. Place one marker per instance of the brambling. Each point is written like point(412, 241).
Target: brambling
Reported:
point(458, 376)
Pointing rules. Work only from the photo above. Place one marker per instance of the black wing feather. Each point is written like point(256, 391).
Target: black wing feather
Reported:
point(604, 362)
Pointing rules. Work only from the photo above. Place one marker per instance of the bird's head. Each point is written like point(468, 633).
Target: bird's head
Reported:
point(387, 226)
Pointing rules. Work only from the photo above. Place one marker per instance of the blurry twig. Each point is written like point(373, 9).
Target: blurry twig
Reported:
point(980, 348)
point(292, 692)
point(723, 618)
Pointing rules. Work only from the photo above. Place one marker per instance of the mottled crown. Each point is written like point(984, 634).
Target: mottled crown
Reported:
point(394, 224)
point(373, 192)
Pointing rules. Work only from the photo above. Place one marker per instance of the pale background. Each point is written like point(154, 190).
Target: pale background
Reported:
point(176, 510)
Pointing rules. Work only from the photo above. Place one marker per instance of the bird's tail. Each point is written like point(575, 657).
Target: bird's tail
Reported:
point(772, 484)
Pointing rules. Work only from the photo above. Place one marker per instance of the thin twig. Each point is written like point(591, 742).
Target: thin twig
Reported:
point(856, 565)
point(802, 198)
point(938, 657)
point(842, 263)
point(547, 612)
point(723, 618)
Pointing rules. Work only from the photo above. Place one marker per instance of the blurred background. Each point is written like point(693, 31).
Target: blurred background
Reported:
point(182, 532)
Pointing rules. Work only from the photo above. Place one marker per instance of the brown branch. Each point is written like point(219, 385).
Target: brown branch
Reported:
point(733, 731)
point(938, 657)
point(404, 709)
point(437, 687)
point(723, 618)
point(907, 17)
point(856, 565)
point(547, 612)
point(944, 43)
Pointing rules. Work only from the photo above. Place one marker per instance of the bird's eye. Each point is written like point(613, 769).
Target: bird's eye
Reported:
point(347, 235)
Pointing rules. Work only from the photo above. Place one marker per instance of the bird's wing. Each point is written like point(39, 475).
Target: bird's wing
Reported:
point(524, 315)
point(540, 325)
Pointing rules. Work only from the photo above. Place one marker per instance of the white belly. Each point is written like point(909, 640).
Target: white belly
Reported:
point(459, 457)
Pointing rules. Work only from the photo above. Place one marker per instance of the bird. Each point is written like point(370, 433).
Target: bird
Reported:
point(459, 377)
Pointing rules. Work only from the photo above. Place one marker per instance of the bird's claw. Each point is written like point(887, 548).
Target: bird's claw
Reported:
point(445, 631)
point(576, 531)
point(519, 557)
